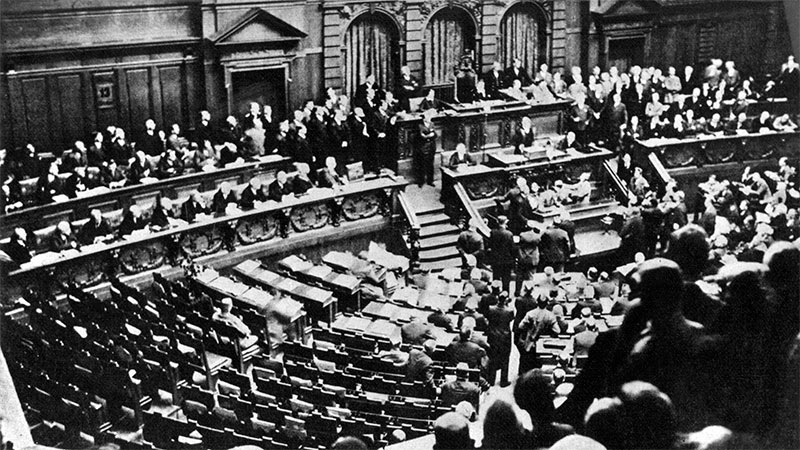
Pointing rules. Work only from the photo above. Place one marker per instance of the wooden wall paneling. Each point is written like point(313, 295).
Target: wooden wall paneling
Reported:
point(172, 96)
point(34, 90)
point(686, 45)
point(55, 118)
point(106, 106)
point(89, 113)
point(194, 91)
point(139, 100)
point(123, 102)
point(17, 102)
point(6, 126)
point(72, 114)
point(156, 103)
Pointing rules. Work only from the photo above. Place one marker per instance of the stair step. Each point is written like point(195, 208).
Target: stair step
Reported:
point(438, 241)
point(437, 254)
point(437, 229)
point(431, 219)
point(438, 266)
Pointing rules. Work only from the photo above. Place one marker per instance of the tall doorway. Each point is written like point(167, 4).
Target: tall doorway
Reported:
point(625, 53)
point(265, 86)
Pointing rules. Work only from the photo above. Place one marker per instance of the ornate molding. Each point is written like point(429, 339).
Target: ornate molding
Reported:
point(201, 242)
point(309, 217)
point(361, 206)
point(483, 187)
point(261, 228)
point(88, 272)
point(139, 258)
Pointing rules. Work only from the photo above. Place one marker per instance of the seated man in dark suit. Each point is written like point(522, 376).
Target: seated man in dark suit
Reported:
point(301, 183)
point(570, 141)
point(280, 187)
point(416, 332)
point(463, 350)
point(460, 156)
point(251, 194)
point(517, 72)
point(419, 363)
point(328, 176)
point(192, 207)
point(738, 125)
point(763, 123)
point(62, 238)
point(524, 136)
point(17, 247)
point(132, 221)
point(95, 229)
point(460, 389)
point(222, 198)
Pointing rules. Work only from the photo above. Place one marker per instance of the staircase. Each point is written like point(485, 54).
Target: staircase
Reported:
point(437, 243)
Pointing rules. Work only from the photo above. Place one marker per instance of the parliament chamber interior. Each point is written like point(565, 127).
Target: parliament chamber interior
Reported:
point(331, 224)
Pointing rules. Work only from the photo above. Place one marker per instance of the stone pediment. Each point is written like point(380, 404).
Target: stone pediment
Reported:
point(620, 8)
point(258, 26)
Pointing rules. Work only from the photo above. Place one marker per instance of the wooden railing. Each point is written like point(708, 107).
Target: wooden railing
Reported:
point(413, 228)
point(622, 191)
point(469, 212)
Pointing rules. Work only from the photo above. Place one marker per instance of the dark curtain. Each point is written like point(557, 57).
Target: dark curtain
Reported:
point(449, 33)
point(523, 33)
point(370, 48)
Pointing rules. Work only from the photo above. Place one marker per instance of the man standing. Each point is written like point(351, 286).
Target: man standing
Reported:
point(527, 257)
point(501, 252)
point(498, 333)
point(537, 322)
point(426, 151)
point(493, 80)
point(517, 72)
point(554, 248)
point(409, 87)
point(470, 242)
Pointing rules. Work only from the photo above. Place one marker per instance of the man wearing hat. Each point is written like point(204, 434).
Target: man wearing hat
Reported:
point(501, 252)
point(460, 389)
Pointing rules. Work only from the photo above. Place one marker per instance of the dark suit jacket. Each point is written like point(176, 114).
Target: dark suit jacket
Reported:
point(416, 332)
point(455, 160)
point(91, 230)
point(521, 139)
point(18, 252)
point(521, 74)
point(276, 192)
point(419, 366)
point(150, 144)
point(129, 224)
point(468, 352)
point(493, 82)
point(328, 179)
point(457, 391)
point(554, 247)
point(501, 248)
point(220, 202)
point(190, 209)
point(301, 185)
point(248, 197)
point(528, 249)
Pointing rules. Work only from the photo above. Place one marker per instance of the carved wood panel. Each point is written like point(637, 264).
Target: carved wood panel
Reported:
point(483, 187)
point(361, 206)
point(201, 242)
point(146, 256)
point(256, 229)
point(309, 217)
point(86, 272)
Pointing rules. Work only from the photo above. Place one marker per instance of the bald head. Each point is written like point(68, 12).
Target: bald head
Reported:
point(452, 432)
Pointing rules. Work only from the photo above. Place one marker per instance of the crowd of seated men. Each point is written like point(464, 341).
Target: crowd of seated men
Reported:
point(24, 243)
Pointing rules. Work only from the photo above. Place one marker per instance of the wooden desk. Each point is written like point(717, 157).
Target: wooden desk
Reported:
point(344, 286)
point(78, 208)
point(246, 296)
point(320, 304)
point(484, 125)
point(481, 182)
point(271, 220)
point(690, 161)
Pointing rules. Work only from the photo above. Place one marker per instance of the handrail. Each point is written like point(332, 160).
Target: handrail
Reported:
point(470, 210)
point(414, 227)
point(661, 171)
point(622, 190)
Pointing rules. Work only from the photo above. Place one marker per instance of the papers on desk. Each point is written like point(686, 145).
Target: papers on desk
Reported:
point(406, 294)
point(288, 285)
point(386, 259)
point(340, 260)
point(229, 286)
point(270, 158)
point(294, 264)
point(248, 266)
point(443, 338)
point(92, 192)
point(207, 276)
point(138, 233)
point(319, 272)
point(41, 259)
point(614, 321)
point(148, 180)
point(93, 247)
point(256, 297)
point(60, 198)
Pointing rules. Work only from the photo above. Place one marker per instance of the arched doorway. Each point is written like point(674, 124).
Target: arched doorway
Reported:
point(371, 46)
point(449, 35)
point(523, 34)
